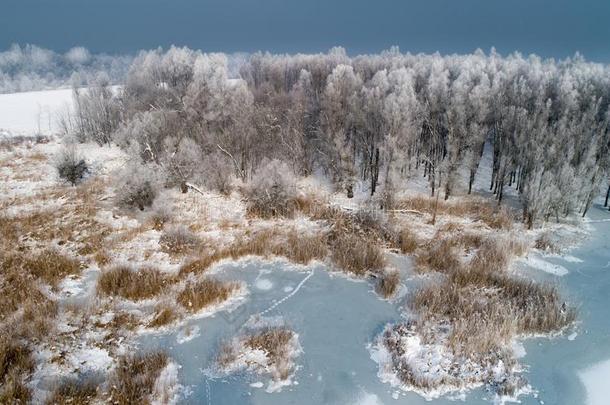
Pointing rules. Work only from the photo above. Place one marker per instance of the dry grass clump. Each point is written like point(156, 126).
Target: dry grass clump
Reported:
point(74, 392)
point(473, 208)
point(356, 254)
point(178, 239)
point(545, 243)
point(123, 281)
point(51, 266)
point(164, 315)
point(291, 244)
point(484, 317)
point(438, 256)
point(15, 362)
point(275, 342)
point(133, 380)
point(204, 293)
point(201, 263)
point(387, 283)
point(302, 249)
point(407, 241)
point(18, 289)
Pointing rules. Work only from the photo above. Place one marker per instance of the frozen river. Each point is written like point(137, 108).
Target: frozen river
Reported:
point(336, 318)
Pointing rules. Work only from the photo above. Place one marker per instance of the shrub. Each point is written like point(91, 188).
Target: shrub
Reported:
point(122, 281)
point(138, 186)
point(272, 191)
point(206, 292)
point(70, 165)
point(178, 239)
point(161, 213)
point(134, 378)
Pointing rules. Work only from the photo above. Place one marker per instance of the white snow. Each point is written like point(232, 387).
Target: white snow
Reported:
point(166, 390)
point(263, 284)
point(595, 380)
point(33, 112)
point(543, 265)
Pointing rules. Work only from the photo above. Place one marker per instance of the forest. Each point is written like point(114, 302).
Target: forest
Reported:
point(373, 119)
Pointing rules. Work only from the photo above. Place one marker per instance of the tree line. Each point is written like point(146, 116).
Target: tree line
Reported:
point(371, 119)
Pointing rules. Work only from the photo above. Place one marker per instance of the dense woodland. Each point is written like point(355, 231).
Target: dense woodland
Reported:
point(373, 119)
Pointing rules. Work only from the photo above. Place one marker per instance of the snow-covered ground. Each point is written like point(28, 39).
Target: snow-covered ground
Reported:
point(32, 113)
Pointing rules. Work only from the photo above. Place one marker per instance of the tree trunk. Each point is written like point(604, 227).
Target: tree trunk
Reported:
point(607, 196)
point(470, 181)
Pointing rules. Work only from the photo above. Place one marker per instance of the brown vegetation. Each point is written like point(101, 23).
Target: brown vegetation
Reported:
point(15, 363)
point(74, 392)
point(355, 254)
point(476, 209)
point(387, 283)
point(164, 315)
point(407, 241)
point(484, 304)
point(275, 342)
point(206, 292)
point(178, 240)
point(134, 378)
point(133, 284)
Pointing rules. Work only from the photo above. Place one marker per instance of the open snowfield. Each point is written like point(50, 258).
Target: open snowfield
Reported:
point(32, 113)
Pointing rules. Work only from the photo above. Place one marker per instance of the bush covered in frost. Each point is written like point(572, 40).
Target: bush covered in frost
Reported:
point(138, 185)
point(272, 191)
point(70, 165)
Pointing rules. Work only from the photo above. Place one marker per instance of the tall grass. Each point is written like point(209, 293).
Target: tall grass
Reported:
point(135, 285)
point(134, 378)
point(204, 293)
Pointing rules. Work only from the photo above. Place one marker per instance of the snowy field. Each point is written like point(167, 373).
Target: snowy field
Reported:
point(334, 363)
point(32, 113)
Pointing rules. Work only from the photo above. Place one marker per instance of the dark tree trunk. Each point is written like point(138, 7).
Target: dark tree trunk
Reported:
point(607, 196)
point(375, 172)
point(470, 181)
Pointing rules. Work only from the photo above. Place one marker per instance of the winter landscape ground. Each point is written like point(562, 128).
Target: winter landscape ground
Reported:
point(160, 246)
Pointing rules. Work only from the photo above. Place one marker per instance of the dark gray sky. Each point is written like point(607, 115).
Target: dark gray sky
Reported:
point(551, 28)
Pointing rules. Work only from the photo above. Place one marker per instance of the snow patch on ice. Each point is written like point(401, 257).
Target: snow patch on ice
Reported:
point(167, 389)
point(595, 380)
point(541, 264)
point(263, 284)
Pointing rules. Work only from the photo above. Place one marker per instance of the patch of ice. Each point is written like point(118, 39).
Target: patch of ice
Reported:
point(257, 384)
point(366, 398)
point(288, 288)
point(572, 336)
